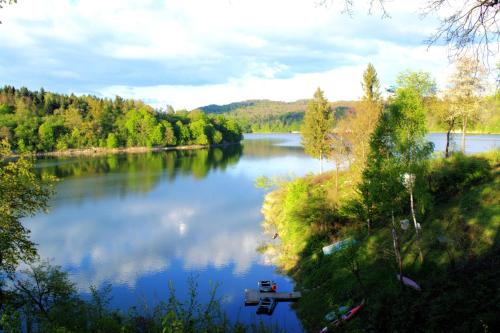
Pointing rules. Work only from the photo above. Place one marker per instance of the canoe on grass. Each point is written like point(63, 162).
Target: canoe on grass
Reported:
point(409, 282)
point(334, 315)
point(345, 317)
point(338, 246)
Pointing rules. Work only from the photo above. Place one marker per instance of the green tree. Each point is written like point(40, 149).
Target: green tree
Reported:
point(183, 133)
point(45, 291)
point(467, 85)
point(420, 82)
point(398, 158)
point(168, 134)
point(21, 194)
point(140, 125)
point(370, 84)
point(111, 141)
point(196, 114)
point(199, 132)
point(48, 133)
point(358, 127)
point(318, 121)
point(41, 121)
point(448, 115)
point(217, 137)
point(233, 131)
point(26, 133)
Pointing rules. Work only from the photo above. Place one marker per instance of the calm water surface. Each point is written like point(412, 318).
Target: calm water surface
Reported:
point(139, 221)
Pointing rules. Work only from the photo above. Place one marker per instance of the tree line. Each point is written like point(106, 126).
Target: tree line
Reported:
point(461, 105)
point(40, 121)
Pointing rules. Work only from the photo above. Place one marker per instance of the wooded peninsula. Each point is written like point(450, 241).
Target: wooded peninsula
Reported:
point(40, 121)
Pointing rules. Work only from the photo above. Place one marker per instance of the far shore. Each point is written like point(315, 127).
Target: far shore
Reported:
point(430, 132)
point(93, 151)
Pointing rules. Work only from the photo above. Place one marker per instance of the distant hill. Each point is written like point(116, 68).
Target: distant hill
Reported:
point(264, 115)
point(257, 106)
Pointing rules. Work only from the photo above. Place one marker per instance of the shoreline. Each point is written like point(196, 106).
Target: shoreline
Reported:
point(96, 151)
point(430, 132)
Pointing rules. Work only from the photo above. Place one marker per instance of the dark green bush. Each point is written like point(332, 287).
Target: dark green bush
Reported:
point(449, 177)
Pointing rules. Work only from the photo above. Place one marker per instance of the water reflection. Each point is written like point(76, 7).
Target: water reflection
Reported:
point(128, 173)
point(140, 220)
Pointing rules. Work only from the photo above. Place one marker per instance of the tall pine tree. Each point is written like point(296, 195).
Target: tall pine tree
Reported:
point(371, 85)
point(318, 120)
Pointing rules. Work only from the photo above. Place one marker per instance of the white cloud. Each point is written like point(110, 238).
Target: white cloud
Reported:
point(189, 53)
point(341, 83)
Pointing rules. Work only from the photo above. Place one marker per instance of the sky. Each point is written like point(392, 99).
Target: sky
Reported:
point(191, 53)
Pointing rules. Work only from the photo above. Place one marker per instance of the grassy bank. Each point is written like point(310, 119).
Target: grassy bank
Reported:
point(459, 276)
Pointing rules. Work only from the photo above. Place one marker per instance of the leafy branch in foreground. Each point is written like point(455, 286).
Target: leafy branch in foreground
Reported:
point(21, 194)
point(468, 27)
point(45, 300)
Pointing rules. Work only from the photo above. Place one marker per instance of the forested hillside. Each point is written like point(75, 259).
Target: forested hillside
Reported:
point(40, 121)
point(271, 116)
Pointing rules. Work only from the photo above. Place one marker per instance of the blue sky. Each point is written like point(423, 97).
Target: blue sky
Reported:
point(190, 53)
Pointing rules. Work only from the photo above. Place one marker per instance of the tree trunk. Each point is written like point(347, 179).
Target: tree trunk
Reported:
point(337, 179)
point(356, 273)
point(446, 151)
point(397, 249)
point(417, 229)
point(464, 128)
point(1, 283)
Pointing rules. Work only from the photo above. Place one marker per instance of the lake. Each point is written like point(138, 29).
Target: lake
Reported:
point(138, 221)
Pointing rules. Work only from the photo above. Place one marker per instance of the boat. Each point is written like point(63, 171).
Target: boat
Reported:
point(336, 321)
point(351, 313)
point(338, 246)
point(266, 306)
point(334, 315)
point(409, 282)
point(267, 286)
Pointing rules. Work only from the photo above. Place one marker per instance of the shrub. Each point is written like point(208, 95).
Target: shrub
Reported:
point(449, 177)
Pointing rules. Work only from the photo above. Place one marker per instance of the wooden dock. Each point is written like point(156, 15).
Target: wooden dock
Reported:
point(253, 296)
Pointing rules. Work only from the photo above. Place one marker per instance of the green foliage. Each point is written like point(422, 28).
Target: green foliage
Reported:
point(265, 116)
point(371, 84)
point(183, 133)
point(397, 146)
point(10, 320)
point(200, 131)
point(453, 176)
point(168, 135)
point(420, 82)
point(21, 194)
point(318, 121)
point(111, 141)
point(50, 302)
point(38, 121)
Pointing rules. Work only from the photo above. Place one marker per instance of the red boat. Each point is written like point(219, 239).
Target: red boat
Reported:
point(345, 317)
point(352, 312)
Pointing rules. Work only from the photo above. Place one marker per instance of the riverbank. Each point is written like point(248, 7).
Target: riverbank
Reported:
point(461, 244)
point(96, 151)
